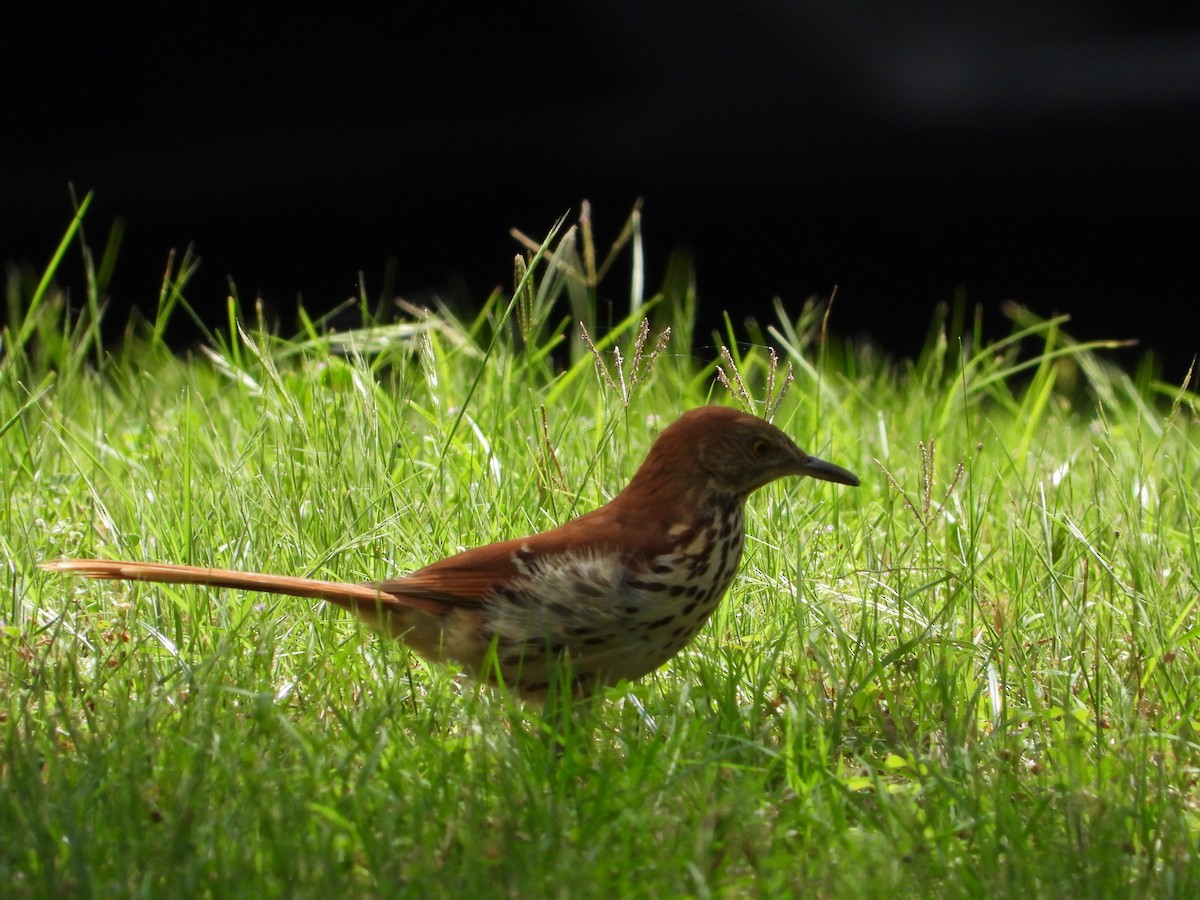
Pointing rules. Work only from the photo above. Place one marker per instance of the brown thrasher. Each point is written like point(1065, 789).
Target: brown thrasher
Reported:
point(617, 591)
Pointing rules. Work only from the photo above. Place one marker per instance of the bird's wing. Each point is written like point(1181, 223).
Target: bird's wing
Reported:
point(465, 579)
point(462, 580)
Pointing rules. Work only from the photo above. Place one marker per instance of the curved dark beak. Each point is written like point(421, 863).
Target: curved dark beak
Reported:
point(826, 471)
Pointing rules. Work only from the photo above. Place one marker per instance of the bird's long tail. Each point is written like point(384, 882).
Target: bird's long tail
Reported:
point(355, 597)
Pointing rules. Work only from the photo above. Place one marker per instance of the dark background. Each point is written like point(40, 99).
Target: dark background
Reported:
point(1043, 152)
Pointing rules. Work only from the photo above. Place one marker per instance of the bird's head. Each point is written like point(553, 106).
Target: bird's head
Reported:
point(736, 452)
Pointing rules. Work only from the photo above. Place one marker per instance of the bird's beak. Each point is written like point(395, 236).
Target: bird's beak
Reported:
point(826, 471)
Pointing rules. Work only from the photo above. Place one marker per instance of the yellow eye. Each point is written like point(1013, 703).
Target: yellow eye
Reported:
point(759, 447)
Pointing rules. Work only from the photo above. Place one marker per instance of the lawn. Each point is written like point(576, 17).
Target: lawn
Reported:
point(976, 674)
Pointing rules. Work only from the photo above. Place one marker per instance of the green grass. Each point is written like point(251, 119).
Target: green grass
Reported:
point(975, 675)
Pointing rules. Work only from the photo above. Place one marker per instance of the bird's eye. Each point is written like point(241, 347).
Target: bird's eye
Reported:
point(759, 447)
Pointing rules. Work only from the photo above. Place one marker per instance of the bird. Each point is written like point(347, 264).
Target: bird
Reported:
point(608, 596)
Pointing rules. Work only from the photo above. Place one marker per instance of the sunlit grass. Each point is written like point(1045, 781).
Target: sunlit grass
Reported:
point(975, 674)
